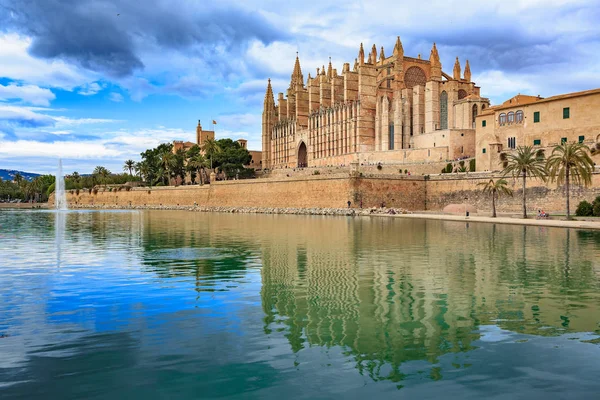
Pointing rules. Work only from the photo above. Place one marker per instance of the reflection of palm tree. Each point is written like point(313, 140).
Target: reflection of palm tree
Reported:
point(525, 161)
point(570, 161)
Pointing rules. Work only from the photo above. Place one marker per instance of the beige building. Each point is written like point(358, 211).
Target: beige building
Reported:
point(536, 121)
point(385, 109)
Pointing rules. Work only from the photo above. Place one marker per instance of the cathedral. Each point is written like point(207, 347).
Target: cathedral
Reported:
point(385, 109)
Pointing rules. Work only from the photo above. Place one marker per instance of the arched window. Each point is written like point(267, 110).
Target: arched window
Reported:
point(444, 110)
point(414, 76)
point(482, 107)
point(462, 94)
point(502, 119)
point(474, 115)
point(519, 116)
point(511, 117)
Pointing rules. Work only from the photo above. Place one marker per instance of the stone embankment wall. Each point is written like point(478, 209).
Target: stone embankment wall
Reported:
point(414, 193)
point(447, 189)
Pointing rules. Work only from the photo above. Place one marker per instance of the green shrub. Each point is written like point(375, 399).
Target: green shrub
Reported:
point(316, 172)
point(584, 209)
point(406, 171)
point(461, 163)
point(379, 167)
point(596, 209)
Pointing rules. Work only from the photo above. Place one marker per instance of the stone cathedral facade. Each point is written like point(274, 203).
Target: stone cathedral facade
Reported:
point(384, 109)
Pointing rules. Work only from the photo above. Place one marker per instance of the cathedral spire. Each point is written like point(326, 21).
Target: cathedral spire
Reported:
point(456, 70)
point(434, 57)
point(374, 54)
point(269, 99)
point(382, 55)
point(297, 77)
point(436, 66)
point(355, 65)
point(329, 70)
point(467, 72)
point(361, 55)
point(398, 49)
point(323, 70)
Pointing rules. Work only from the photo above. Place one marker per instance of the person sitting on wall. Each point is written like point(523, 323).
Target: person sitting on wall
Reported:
point(349, 203)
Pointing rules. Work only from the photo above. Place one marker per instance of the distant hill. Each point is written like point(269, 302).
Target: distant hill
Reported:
point(8, 175)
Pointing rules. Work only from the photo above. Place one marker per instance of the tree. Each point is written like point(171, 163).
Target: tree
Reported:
point(496, 188)
point(198, 163)
point(570, 162)
point(102, 174)
point(18, 179)
point(129, 166)
point(211, 148)
point(525, 161)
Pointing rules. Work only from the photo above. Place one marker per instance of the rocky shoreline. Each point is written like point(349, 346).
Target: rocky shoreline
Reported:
point(260, 210)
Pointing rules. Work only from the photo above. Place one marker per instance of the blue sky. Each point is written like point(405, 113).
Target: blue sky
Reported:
point(97, 82)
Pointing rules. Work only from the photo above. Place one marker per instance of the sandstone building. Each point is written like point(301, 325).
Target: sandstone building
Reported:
point(535, 121)
point(202, 136)
point(385, 109)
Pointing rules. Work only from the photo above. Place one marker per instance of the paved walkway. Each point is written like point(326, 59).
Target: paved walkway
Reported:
point(507, 220)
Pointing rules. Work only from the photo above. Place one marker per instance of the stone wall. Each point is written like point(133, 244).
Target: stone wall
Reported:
point(415, 193)
point(455, 188)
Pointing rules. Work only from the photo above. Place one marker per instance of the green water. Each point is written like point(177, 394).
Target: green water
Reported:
point(165, 305)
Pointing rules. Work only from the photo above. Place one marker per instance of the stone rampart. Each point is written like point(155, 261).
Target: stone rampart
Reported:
point(414, 193)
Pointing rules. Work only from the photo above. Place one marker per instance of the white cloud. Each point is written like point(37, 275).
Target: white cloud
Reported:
point(17, 64)
point(90, 89)
point(28, 94)
point(116, 97)
point(23, 116)
point(66, 121)
point(28, 148)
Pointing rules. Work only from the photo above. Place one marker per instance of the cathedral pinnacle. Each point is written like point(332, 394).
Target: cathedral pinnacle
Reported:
point(361, 55)
point(467, 72)
point(269, 99)
point(374, 54)
point(398, 49)
point(297, 77)
point(381, 55)
point(434, 57)
point(329, 70)
point(456, 72)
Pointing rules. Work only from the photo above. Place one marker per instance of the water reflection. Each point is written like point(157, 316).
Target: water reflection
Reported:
point(233, 304)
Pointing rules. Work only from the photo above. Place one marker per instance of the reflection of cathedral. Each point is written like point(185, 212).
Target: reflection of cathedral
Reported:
point(356, 293)
point(401, 108)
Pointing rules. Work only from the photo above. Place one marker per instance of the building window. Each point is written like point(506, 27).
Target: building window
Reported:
point(511, 117)
point(581, 139)
point(483, 150)
point(474, 115)
point(462, 94)
point(536, 116)
point(391, 137)
point(537, 142)
point(563, 140)
point(502, 119)
point(566, 112)
point(389, 70)
point(512, 143)
point(444, 110)
point(428, 153)
point(389, 84)
point(462, 149)
point(519, 116)
point(483, 123)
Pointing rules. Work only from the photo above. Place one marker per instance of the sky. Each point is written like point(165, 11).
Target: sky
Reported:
point(96, 82)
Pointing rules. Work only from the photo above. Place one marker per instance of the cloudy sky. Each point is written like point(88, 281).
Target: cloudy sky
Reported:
point(98, 81)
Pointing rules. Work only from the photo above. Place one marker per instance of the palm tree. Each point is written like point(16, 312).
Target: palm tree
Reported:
point(102, 173)
point(166, 159)
point(198, 162)
point(496, 188)
point(75, 177)
point(570, 161)
point(525, 161)
point(145, 172)
point(18, 179)
point(211, 148)
point(129, 165)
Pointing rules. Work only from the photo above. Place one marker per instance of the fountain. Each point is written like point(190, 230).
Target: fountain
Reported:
point(60, 197)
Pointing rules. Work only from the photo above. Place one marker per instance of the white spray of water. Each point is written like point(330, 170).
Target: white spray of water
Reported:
point(60, 196)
